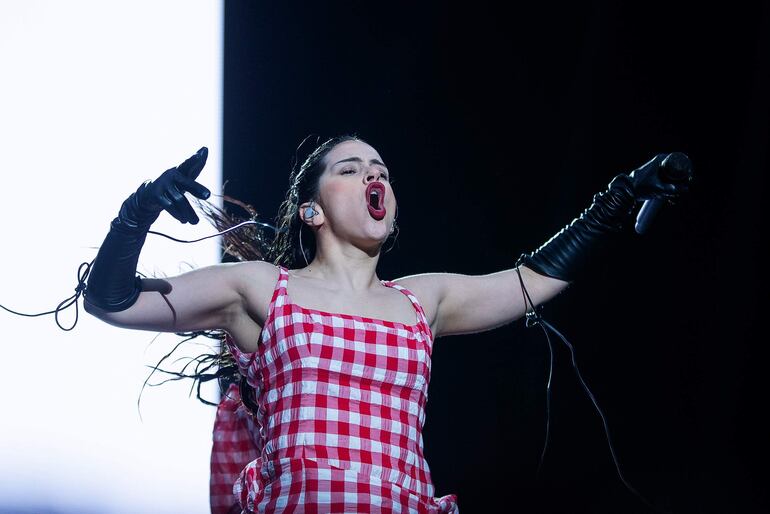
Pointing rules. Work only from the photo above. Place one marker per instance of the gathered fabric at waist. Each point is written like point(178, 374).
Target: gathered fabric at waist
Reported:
point(404, 471)
point(301, 477)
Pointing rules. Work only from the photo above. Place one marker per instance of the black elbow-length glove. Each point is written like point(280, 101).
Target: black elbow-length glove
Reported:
point(565, 253)
point(112, 284)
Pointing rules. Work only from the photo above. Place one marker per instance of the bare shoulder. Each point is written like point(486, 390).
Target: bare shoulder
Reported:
point(256, 281)
point(428, 288)
point(256, 284)
point(260, 270)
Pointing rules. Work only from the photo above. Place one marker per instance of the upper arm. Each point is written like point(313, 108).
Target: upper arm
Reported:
point(210, 297)
point(464, 304)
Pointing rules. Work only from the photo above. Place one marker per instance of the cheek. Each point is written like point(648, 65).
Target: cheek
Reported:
point(391, 199)
point(335, 189)
point(338, 197)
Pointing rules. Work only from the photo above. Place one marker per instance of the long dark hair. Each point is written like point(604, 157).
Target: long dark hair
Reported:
point(283, 246)
point(304, 187)
point(279, 244)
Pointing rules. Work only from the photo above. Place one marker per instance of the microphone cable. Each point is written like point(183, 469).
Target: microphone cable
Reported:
point(85, 268)
point(533, 318)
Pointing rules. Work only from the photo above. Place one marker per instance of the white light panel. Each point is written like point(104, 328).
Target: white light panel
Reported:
point(95, 98)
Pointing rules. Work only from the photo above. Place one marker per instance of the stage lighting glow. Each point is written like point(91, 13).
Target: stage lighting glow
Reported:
point(97, 97)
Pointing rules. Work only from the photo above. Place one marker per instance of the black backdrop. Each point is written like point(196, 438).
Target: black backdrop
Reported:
point(498, 125)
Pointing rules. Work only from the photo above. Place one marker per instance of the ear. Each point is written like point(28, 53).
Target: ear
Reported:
point(311, 214)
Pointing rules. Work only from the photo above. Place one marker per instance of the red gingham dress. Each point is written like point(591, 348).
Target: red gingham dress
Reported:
point(341, 409)
point(236, 443)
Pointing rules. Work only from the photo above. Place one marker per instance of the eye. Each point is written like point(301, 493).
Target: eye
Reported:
point(348, 171)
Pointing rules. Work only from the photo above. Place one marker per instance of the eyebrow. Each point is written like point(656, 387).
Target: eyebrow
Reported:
point(358, 159)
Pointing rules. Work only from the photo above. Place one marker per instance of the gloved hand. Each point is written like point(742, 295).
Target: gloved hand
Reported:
point(665, 176)
point(112, 284)
point(566, 252)
point(142, 208)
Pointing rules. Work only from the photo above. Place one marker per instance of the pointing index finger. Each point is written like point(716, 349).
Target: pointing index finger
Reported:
point(193, 166)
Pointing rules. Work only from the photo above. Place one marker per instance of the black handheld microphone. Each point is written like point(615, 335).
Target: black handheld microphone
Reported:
point(675, 168)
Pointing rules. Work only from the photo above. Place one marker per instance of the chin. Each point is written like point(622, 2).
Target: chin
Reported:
point(380, 234)
point(377, 230)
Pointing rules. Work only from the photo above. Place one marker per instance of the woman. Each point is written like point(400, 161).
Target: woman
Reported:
point(337, 359)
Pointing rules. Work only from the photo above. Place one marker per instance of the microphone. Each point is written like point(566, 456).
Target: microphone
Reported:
point(675, 168)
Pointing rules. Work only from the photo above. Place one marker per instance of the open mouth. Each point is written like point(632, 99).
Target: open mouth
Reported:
point(375, 197)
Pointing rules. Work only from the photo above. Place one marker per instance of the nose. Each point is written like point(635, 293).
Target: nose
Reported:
point(373, 174)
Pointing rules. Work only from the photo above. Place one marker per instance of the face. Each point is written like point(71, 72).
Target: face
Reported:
point(355, 194)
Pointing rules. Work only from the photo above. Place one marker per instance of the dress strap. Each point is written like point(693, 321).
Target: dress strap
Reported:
point(244, 359)
point(280, 286)
point(278, 300)
point(421, 317)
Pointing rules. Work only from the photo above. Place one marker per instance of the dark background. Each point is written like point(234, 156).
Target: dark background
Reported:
point(498, 125)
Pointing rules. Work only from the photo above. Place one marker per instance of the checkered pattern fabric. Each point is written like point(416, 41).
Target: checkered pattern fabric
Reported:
point(236, 443)
point(341, 409)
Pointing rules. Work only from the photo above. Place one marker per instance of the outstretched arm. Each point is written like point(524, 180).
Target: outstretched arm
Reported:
point(466, 304)
point(475, 303)
point(116, 295)
point(201, 299)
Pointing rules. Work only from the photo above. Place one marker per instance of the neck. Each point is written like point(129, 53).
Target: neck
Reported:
point(349, 268)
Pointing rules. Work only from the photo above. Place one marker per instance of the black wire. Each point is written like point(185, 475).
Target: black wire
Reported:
point(83, 275)
point(547, 402)
point(239, 225)
point(533, 319)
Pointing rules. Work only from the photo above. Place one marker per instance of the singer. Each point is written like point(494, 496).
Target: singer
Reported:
point(337, 360)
